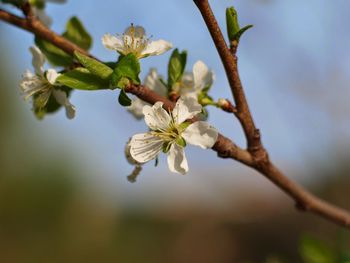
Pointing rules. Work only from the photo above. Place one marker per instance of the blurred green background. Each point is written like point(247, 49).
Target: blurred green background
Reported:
point(63, 190)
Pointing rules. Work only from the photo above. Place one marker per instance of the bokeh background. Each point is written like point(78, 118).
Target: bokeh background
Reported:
point(64, 196)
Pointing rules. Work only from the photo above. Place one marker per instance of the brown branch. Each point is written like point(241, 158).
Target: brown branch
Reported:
point(231, 68)
point(304, 200)
point(34, 26)
point(224, 147)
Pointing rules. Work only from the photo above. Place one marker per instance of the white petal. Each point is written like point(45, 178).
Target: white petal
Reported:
point(177, 161)
point(145, 147)
point(62, 98)
point(51, 76)
point(156, 117)
point(155, 48)
point(186, 84)
point(186, 108)
point(42, 16)
point(135, 31)
point(136, 108)
point(27, 74)
point(200, 134)
point(70, 111)
point(128, 155)
point(38, 60)
point(113, 43)
point(203, 77)
point(31, 84)
point(152, 81)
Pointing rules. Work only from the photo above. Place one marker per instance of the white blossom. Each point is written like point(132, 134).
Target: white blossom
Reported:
point(134, 40)
point(152, 81)
point(42, 84)
point(197, 80)
point(171, 132)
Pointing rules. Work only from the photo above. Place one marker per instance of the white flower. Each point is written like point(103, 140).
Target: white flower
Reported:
point(40, 12)
point(137, 166)
point(42, 84)
point(171, 132)
point(202, 76)
point(152, 82)
point(197, 80)
point(135, 41)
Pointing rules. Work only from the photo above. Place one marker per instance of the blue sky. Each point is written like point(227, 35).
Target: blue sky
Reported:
point(294, 65)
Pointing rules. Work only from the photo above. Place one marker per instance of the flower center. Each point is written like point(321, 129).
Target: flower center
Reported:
point(134, 42)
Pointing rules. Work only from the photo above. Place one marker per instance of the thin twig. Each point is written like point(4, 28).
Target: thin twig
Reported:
point(231, 68)
point(224, 147)
point(262, 163)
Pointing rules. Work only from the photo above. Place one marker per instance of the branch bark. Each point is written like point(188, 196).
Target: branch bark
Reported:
point(224, 147)
point(229, 62)
point(33, 25)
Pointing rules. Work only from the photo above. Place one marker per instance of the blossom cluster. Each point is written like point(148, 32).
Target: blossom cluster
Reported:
point(169, 131)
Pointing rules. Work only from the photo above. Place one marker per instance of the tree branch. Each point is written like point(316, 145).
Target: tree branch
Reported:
point(230, 64)
point(34, 26)
point(304, 200)
point(224, 147)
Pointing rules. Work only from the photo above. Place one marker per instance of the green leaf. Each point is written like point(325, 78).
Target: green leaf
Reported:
point(315, 251)
point(82, 79)
point(176, 67)
point(241, 31)
point(123, 98)
point(234, 31)
point(128, 67)
point(111, 64)
point(232, 23)
point(55, 55)
point(95, 67)
point(76, 32)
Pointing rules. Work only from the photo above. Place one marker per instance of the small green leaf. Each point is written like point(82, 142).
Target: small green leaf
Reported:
point(82, 79)
point(241, 31)
point(56, 56)
point(181, 141)
point(176, 67)
point(127, 67)
point(315, 251)
point(232, 23)
point(95, 67)
point(76, 32)
point(234, 31)
point(123, 98)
